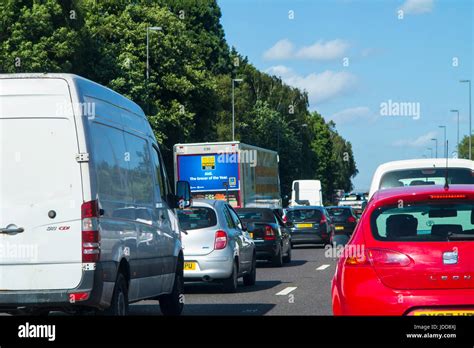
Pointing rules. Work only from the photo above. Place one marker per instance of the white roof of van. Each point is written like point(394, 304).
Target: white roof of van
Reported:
point(84, 87)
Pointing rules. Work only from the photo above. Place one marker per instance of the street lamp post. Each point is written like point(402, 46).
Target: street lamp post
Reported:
point(470, 118)
point(431, 151)
point(233, 107)
point(148, 49)
point(457, 143)
point(436, 145)
point(444, 142)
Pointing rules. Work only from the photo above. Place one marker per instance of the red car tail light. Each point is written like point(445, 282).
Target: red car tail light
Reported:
point(351, 219)
point(220, 241)
point(385, 257)
point(90, 231)
point(269, 233)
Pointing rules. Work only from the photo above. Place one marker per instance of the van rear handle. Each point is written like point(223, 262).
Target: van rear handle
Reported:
point(12, 229)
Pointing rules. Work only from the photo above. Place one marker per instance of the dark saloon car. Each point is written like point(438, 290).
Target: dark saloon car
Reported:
point(271, 236)
point(309, 225)
point(344, 219)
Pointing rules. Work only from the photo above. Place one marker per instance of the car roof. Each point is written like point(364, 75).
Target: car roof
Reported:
point(339, 207)
point(420, 190)
point(207, 202)
point(255, 209)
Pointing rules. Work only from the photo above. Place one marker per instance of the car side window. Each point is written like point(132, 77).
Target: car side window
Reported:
point(235, 217)
point(228, 217)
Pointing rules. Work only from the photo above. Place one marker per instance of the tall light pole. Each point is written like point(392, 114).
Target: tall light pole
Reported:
point(436, 146)
point(457, 143)
point(148, 49)
point(470, 118)
point(444, 142)
point(233, 107)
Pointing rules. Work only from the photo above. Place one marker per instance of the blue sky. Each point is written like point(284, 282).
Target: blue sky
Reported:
point(417, 59)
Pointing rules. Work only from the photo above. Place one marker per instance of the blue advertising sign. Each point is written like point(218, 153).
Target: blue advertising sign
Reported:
point(207, 173)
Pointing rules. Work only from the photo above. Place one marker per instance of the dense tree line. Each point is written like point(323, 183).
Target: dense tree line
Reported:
point(188, 95)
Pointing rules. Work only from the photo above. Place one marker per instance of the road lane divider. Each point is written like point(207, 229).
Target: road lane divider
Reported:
point(286, 291)
point(322, 267)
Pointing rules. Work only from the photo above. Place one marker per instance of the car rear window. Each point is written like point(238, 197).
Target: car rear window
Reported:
point(426, 176)
point(424, 222)
point(255, 215)
point(197, 217)
point(298, 215)
point(339, 212)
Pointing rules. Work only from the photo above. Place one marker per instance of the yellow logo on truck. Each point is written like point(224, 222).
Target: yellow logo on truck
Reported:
point(208, 162)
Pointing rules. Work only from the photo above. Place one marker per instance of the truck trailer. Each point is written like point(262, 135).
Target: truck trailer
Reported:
point(244, 175)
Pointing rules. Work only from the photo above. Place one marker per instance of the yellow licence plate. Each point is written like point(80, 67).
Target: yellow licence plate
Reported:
point(461, 312)
point(251, 235)
point(339, 228)
point(190, 266)
point(304, 225)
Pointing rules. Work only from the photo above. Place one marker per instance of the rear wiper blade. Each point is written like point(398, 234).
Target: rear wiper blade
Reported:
point(460, 236)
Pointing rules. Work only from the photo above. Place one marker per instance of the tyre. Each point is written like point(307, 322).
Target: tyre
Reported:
point(119, 303)
point(277, 260)
point(287, 258)
point(173, 304)
point(251, 278)
point(230, 284)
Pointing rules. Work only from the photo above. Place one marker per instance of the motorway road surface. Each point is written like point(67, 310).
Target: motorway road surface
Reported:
point(302, 287)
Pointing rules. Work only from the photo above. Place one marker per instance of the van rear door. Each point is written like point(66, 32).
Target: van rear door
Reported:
point(40, 186)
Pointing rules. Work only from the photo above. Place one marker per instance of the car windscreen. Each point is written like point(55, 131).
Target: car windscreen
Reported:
point(424, 222)
point(426, 176)
point(255, 215)
point(197, 217)
point(298, 215)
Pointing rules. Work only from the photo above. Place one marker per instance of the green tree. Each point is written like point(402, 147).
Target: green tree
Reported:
point(464, 147)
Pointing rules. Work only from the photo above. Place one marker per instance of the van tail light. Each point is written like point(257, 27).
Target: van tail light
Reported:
point(220, 241)
point(351, 219)
point(379, 257)
point(90, 231)
point(269, 233)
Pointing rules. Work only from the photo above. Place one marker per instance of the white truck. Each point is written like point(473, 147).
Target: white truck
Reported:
point(242, 174)
point(306, 192)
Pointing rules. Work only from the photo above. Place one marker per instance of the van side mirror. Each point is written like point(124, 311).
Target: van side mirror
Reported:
point(183, 194)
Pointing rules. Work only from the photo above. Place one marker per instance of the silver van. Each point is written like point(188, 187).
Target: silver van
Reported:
point(87, 215)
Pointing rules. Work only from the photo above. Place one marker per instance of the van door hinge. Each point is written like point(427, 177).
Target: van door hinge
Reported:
point(82, 157)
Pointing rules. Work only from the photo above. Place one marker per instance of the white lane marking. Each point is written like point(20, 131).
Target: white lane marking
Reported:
point(320, 268)
point(286, 291)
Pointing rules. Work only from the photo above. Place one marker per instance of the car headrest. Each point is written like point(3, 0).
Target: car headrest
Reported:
point(443, 230)
point(401, 225)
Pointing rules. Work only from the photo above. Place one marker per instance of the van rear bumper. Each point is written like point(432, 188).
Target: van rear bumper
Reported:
point(100, 293)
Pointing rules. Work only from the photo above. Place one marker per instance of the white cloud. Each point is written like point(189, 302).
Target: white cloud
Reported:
point(320, 87)
point(359, 113)
point(417, 6)
point(320, 50)
point(423, 140)
point(283, 49)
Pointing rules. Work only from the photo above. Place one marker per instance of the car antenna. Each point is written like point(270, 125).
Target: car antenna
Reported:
point(446, 183)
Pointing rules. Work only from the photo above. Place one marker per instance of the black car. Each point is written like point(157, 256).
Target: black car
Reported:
point(309, 225)
point(271, 236)
point(344, 219)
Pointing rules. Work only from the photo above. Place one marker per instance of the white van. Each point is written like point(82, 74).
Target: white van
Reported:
point(425, 171)
point(87, 216)
point(306, 192)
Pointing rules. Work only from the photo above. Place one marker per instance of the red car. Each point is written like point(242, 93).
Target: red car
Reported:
point(412, 253)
